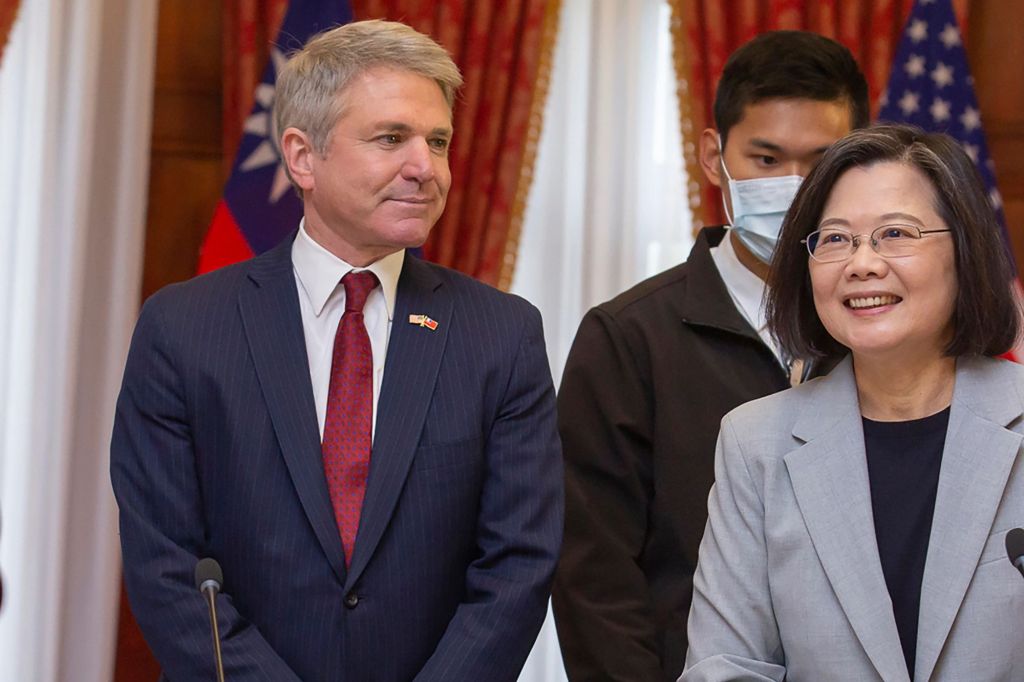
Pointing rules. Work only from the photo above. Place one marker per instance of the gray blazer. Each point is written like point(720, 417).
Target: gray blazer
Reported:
point(789, 584)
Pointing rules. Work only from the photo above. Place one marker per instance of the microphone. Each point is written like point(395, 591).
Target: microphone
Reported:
point(209, 578)
point(1015, 548)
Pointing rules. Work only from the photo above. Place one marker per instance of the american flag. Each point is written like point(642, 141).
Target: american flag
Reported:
point(259, 208)
point(930, 86)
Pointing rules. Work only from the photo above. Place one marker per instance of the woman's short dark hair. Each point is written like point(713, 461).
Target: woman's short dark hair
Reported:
point(985, 315)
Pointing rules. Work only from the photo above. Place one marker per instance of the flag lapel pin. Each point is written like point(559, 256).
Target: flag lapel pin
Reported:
point(423, 321)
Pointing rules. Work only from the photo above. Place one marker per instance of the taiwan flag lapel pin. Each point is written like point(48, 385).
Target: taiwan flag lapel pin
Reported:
point(423, 321)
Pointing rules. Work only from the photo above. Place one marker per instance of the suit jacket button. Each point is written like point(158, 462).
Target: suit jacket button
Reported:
point(351, 600)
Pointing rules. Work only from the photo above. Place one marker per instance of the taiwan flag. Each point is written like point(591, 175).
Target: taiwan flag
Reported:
point(259, 207)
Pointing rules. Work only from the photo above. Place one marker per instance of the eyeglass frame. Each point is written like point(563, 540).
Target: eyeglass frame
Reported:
point(855, 240)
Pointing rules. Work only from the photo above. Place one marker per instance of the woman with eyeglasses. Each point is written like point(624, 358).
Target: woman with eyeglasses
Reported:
point(857, 522)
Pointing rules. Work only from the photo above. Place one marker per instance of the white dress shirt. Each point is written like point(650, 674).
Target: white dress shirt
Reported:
point(318, 275)
point(746, 290)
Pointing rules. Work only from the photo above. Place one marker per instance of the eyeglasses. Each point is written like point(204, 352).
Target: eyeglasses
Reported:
point(832, 244)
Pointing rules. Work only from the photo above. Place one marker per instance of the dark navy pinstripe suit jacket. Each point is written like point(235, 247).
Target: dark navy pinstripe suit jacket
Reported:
point(216, 452)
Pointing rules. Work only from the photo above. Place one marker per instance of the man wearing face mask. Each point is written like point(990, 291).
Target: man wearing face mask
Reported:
point(653, 371)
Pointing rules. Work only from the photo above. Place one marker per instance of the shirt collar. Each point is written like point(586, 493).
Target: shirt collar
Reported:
point(319, 271)
point(746, 288)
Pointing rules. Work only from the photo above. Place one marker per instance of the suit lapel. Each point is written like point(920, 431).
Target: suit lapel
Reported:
point(411, 369)
point(273, 326)
point(830, 480)
point(976, 463)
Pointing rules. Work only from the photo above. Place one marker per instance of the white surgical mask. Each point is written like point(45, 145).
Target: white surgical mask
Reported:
point(758, 207)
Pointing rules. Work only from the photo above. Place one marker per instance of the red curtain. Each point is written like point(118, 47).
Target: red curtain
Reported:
point(705, 33)
point(504, 50)
point(8, 12)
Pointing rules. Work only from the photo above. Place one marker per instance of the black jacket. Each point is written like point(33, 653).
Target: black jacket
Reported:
point(649, 378)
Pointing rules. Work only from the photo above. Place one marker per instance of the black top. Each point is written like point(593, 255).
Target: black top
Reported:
point(903, 468)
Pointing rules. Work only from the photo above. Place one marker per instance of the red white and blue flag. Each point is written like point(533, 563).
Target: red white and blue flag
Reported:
point(259, 207)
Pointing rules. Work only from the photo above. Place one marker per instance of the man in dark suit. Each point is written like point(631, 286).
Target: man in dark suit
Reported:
point(653, 371)
point(252, 396)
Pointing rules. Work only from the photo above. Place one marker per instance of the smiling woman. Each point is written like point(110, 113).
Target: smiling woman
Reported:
point(886, 176)
point(890, 298)
point(872, 500)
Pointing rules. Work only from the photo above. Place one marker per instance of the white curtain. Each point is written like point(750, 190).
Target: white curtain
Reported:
point(75, 108)
point(608, 206)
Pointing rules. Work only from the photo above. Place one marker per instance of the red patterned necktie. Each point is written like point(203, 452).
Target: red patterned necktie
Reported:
point(349, 421)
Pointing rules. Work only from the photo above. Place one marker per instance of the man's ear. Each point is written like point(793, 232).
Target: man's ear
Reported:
point(711, 157)
point(297, 153)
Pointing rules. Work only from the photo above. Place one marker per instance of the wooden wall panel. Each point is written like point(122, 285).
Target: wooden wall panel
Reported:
point(186, 169)
point(996, 50)
point(183, 191)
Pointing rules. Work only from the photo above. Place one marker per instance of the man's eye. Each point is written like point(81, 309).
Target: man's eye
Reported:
point(390, 138)
point(439, 143)
point(766, 160)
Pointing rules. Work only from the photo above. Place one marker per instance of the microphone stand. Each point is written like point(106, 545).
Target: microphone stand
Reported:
point(210, 592)
point(208, 579)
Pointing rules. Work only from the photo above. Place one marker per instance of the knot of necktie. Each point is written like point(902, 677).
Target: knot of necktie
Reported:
point(358, 286)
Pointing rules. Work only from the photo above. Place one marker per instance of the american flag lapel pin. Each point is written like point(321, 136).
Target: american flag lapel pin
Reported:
point(423, 321)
